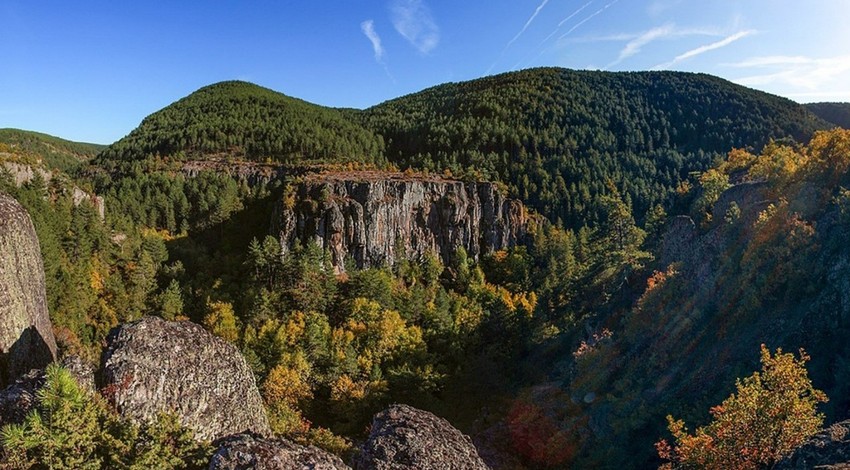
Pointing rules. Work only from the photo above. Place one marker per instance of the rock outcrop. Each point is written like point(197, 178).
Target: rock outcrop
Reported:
point(403, 437)
point(247, 451)
point(26, 336)
point(22, 174)
point(375, 218)
point(152, 365)
point(828, 449)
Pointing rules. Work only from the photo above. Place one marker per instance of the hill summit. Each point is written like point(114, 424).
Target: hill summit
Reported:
point(247, 121)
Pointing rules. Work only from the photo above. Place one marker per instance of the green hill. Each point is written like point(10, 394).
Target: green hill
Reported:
point(836, 113)
point(55, 152)
point(245, 121)
point(556, 135)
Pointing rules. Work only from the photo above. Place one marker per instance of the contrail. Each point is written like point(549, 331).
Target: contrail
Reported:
point(527, 23)
point(565, 20)
point(587, 19)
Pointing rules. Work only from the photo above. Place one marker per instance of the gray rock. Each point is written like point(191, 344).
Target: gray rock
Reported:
point(828, 449)
point(81, 370)
point(26, 336)
point(403, 437)
point(247, 451)
point(377, 218)
point(152, 366)
point(18, 398)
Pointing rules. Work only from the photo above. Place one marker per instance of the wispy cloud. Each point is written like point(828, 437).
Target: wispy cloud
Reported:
point(706, 48)
point(592, 15)
point(368, 28)
point(636, 42)
point(634, 46)
point(412, 19)
point(803, 75)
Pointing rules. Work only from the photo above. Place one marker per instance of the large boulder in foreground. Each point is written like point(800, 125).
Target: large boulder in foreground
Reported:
point(404, 437)
point(828, 449)
point(26, 336)
point(151, 366)
point(247, 451)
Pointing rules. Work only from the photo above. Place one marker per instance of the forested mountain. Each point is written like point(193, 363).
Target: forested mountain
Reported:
point(243, 120)
point(836, 113)
point(56, 153)
point(556, 135)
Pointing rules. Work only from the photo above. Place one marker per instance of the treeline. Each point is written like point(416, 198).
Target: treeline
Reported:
point(555, 135)
point(242, 120)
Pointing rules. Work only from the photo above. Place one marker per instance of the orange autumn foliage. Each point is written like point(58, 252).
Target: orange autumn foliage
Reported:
point(771, 413)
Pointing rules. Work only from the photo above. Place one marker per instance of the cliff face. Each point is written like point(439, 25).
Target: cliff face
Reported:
point(26, 336)
point(372, 218)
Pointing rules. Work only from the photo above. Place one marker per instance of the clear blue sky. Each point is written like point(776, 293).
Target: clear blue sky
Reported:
point(91, 71)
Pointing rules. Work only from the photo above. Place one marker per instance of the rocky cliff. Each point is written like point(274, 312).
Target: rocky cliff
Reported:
point(26, 336)
point(23, 173)
point(375, 218)
point(153, 366)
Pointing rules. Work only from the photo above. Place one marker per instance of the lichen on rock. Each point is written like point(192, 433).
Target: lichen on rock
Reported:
point(153, 366)
point(26, 336)
point(403, 437)
point(247, 451)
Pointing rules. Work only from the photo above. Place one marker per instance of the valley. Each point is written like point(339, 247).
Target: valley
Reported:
point(548, 261)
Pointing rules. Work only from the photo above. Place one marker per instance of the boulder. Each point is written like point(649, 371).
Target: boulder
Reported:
point(249, 451)
point(26, 336)
point(152, 366)
point(403, 437)
point(828, 449)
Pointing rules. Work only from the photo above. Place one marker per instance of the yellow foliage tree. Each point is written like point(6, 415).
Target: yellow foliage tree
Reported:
point(221, 321)
point(772, 412)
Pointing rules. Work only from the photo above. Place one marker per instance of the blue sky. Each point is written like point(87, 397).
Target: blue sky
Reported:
point(91, 71)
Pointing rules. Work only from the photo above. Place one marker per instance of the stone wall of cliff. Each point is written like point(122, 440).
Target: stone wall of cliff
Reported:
point(373, 218)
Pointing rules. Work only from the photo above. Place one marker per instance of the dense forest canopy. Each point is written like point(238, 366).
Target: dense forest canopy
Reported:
point(56, 153)
point(243, 120)
point(836, 113)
